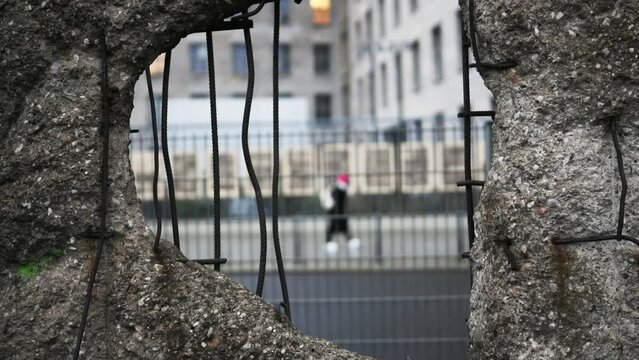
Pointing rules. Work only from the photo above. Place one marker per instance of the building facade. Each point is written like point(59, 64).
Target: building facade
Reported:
point(405, 62)
point(308, 69)
point(362, 63)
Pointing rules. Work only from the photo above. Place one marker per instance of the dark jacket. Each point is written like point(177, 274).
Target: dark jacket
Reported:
point(338, 223)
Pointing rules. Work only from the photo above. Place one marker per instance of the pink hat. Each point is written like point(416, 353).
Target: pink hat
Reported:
point(343, 178)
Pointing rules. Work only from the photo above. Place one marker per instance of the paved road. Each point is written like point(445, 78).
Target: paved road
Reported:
point(398, 242)
point(388, 315)
point(406, 294)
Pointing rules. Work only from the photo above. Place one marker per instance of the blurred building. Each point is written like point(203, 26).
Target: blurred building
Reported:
point(343, 64)
point(404, 62)
point(347, 66)
point(308, 72)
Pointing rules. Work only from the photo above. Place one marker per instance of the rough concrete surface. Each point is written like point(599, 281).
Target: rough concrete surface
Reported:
point(554, 173)
point(144, 305)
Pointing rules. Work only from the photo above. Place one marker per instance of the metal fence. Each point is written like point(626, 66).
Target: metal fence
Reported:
point(404, 292)
point(388, 242)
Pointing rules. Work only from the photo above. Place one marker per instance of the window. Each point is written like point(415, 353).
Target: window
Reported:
point(397, 12)
point(322, 58)
point(417, 73)
point(198, 58)
point(369, 29)
point(323, 110)
point(157, 101)
point(371, 92)
point(414, 5)
point(285, 12)
point(438, 59)
point(240, 64)
point(384, 78)
point(285, 59)
point(382, 18)
point(321, 12)
point(398, 79)
point(358, 39)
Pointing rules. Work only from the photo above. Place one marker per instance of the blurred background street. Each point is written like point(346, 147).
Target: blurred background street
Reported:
point(369, 88)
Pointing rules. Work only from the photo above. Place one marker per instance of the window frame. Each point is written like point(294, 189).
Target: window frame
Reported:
point(285, 12)
point(285, 55)
point(415, 49)
point(438, 53)
point(239, 59)
point(383, 74)
point(322, 61)
point(381, 4)
point(414, 5)
point(397, 13)
point(198, 64)
point(327, 114)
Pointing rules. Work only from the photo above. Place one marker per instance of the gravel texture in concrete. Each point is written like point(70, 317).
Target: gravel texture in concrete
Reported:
point(145, 305)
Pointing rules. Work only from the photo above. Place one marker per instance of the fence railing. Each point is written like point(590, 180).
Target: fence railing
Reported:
point(410, 171)
point(403, 204)
point(405, 289)
point(386, 242)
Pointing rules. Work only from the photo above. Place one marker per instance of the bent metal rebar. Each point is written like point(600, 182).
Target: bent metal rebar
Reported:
point(468, 114)
point(239, 22)
point(104, 192)
point(619, 235)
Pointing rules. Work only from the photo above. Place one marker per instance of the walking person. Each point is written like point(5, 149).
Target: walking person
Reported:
point(335, 201)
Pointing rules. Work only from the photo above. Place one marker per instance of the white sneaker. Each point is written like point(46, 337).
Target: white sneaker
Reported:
point(331, 248)
point(354, 246)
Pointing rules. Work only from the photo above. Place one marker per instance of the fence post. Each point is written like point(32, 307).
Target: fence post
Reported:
point(378, 237)
point(297, 241)
point(489, 145)
point(460, 217)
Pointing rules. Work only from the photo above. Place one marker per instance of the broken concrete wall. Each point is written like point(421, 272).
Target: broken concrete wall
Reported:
point(145, 305)
point(555, 175)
